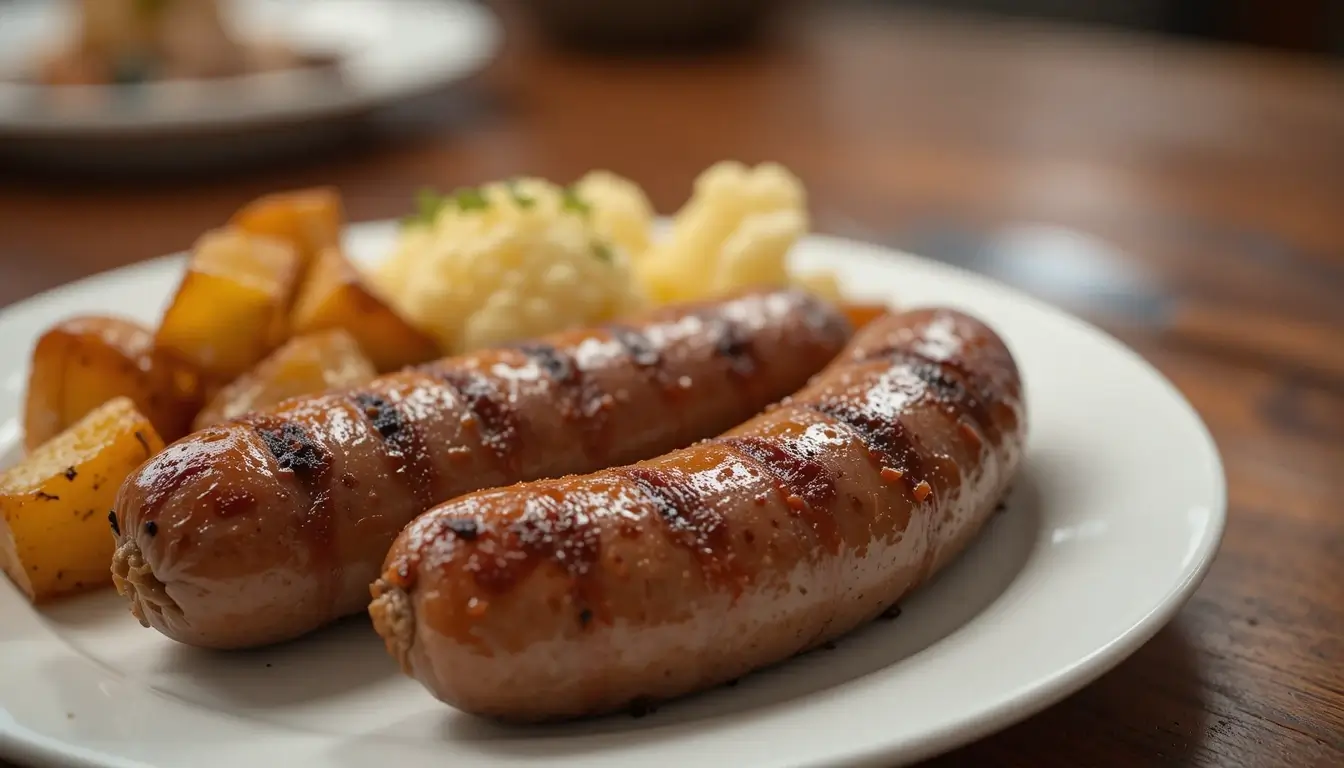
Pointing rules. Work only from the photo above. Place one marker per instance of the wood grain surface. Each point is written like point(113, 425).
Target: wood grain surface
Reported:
point(1197, 195)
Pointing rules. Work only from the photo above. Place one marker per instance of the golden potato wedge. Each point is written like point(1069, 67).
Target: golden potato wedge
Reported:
point(83, 362)
point(54, 537)
point(304, 365)
point(232, 306)
point(335, 295)
point(308, 219)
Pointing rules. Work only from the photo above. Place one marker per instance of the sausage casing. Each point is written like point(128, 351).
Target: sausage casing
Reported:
point(582, 595)
point(269, 526)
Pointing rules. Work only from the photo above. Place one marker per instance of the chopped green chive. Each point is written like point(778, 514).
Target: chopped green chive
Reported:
point(470, 199)
point(520, 198)
point(570, 201)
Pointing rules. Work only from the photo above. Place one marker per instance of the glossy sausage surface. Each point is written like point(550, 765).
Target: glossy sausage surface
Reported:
point(582, 595)
point(264, 528)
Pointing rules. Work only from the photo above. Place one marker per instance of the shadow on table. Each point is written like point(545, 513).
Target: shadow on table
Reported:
point(1150, 706)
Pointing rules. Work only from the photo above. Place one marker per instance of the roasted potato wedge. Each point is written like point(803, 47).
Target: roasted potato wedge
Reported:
point(232, 306)
point(304, 365)
point(308, 219)
point(83, 362)
point(335, 295)
point(54, 537)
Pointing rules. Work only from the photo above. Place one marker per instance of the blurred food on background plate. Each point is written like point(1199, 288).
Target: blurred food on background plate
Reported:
point(135, 41)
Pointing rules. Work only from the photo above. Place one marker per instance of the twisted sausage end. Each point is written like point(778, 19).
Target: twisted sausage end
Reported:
point(135, 580)
point(394, 620)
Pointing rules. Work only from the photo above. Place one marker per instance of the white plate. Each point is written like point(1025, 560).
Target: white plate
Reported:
point(1113, 522)
point(389, 49)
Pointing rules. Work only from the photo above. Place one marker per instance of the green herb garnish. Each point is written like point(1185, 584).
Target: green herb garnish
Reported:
point(570, 201)
point(470, 199)
point(603, 251)
point(520, 198)
point(428, 204)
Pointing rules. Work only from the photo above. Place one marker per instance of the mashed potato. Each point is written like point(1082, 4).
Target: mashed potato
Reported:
point(621, 212)
point(507, 261)
point(736, 230)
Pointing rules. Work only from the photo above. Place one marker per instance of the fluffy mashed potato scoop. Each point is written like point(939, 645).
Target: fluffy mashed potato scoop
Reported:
point(485, 266)
point(736, 230)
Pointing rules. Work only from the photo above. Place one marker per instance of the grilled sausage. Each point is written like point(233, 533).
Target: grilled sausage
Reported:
point(582, 595)
point(269, 526)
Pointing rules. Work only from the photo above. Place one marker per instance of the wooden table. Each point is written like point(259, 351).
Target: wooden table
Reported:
point(1210, 183)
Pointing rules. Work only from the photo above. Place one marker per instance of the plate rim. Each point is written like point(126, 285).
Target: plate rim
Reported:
point(20, 743)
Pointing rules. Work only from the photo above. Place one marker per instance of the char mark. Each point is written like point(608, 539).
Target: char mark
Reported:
point(580, 398)
point(637, 346)
point(496, 417)
point(404, 443)
point(383, 415)
point(691, 518)
point(551, 528)
point(888, 440)
point(793, 465)
point(676, 501)
point(294, 448)
point(733, 343)
point(558, 365)
point(822, 319)
point(464, 528)
point(948, 383)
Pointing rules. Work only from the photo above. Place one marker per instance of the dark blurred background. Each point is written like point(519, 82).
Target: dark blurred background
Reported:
point(1310, 26)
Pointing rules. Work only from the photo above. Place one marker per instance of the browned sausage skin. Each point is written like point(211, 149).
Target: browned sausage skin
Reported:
point(581, 595)
point(262, 529)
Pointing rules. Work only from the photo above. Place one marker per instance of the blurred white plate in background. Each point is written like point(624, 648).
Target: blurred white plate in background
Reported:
point(389, 50)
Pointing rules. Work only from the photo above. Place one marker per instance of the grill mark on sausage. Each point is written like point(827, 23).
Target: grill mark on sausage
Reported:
point(579, 399)
point(889, 442)
point(648, 357)
point(465, 528)
point(692, 520)
point(404, 444)
point(554, 526)
point(382, 415)
point(495, 417)
point(293, 448)
point(636, 345)
point(822, 319)
point(950, 384)
point(557, 365)
point(808, 486)
point(298, 452)
point(733, 344)
point(792, 463)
